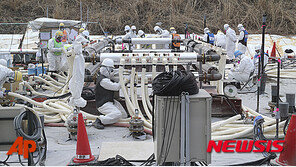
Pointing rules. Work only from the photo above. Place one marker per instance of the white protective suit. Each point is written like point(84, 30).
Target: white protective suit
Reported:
point(230, 43)
point(242, 48)
point(220, 40)
point(242, 73)
point(113, 111)
point(165, 34)
point(77, 80)
point(54, 60)
point(4, 74)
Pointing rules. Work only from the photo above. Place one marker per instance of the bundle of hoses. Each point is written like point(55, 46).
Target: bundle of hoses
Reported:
point(38, 135)
point(174, 83)
point(236, 127)
point(56, 108)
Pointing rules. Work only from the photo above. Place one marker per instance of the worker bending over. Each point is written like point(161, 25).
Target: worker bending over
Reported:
point(7, 74)
point(220, 39)
point(105, 88)
point(244, 69)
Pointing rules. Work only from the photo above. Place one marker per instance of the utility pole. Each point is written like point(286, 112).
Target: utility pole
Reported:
point(47, 11)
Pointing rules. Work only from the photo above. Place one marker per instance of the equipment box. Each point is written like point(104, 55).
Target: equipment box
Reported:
point(8, 134)
point(167, 138)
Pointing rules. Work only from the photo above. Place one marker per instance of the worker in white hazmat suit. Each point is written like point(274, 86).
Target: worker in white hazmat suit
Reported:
point(77, 80)
point(242, 39)
point(208, 36)
point(55, 52)
point(106, 104)
point(245, 67)
point(162, 34)
point(230, 41)
point(220, 39)
point(7, 74)
point(141, 34)
point(133, 32)
point(128, 35)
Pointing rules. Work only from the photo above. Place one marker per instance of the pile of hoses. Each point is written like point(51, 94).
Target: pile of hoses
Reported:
point(38, 135)
point(174, 83)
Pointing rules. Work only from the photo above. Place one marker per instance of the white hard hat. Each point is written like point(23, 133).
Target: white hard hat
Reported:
point(127, 28)
point(258, 47)
point(159, 23)
point(206, 30)
point(240, 27)
point(141, 32)
point(134, 28)
point(108, 63)
point(226, 26)
point(85, 33)
point(3, 62)
point(157, 28)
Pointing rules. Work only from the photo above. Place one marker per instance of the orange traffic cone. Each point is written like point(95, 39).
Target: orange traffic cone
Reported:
point(288, 155)
point(273, 53)
point(83, 152)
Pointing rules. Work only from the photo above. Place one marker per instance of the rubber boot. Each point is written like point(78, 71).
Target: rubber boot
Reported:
point(98, 124)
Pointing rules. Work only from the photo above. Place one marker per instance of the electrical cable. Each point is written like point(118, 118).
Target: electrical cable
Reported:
point(173, 83)
point(173, 130)
point(286, 125)
point(38, 135)
point(5, 161)
point(229, 103)
point(19, 128)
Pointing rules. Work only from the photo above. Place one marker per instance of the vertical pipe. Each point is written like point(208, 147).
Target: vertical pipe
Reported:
point(262, 83)
point(42, 61)
point(258, 84)
point(205, 21)
point(182, 131)
point(278, 97)
point(187, 129)
point(30, 132)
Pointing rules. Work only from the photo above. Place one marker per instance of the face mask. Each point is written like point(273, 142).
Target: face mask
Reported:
point(59, 39)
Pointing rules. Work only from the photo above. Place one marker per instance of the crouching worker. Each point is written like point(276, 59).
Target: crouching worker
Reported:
point(110, 109)
point(245, 67)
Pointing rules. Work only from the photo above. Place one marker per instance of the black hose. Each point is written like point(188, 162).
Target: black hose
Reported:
point(60, 97)
point(286, 125)
point(174, 83)
point(19, 129)
point(230, 104)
